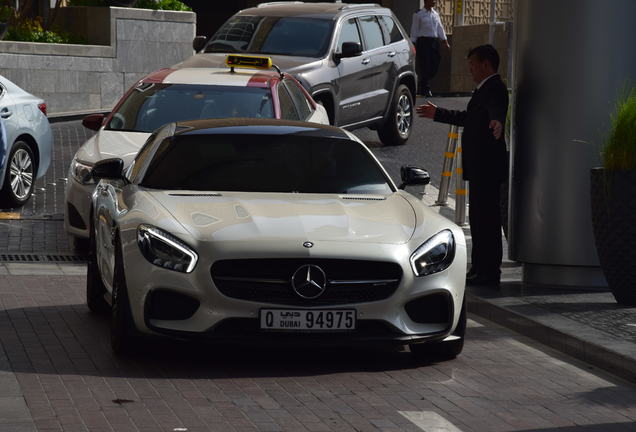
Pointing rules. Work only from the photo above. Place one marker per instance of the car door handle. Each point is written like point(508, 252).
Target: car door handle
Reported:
point(392, 54)
point(366, 61)
point(5, 113)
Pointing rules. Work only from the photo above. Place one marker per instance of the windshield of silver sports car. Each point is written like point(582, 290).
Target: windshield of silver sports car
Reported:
point(292, 36)
point(264, 163)
point(151, 105)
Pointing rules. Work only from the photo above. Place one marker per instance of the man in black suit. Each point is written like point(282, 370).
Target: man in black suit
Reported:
point(484, 160)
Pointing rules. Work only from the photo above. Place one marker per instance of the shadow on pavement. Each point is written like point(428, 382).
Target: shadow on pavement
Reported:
point(68, 339)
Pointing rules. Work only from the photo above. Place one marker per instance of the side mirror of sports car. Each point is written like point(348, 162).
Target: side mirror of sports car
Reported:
point(412, 175)
point(108, 169)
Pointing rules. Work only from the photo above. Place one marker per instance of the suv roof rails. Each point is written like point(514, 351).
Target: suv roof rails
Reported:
point(359, 5)
point(278, 3)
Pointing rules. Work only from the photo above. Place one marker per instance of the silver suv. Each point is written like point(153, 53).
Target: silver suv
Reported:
point(354, 59)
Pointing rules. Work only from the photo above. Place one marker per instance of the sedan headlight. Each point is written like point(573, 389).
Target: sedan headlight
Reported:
point(434, 255)
point(165, 250)
point(81, 172)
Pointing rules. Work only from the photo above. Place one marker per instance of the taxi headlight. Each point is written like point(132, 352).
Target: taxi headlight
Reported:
point(165, 250)
point(81, 171)
point(434, 255)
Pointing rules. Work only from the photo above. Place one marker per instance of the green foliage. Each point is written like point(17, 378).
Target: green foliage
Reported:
point(619, 152)
point(31, 30)
point(6, 13)
point(174, 5)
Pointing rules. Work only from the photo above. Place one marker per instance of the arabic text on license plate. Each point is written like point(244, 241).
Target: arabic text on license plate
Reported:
point(298, 319)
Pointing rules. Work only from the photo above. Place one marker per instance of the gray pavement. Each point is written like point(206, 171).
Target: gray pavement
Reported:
point(586, 324)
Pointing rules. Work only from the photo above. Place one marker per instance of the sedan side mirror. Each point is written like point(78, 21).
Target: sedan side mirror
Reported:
point(198, 43)
point(412, 175)
point(108, 169)
point(93, 121)
point(349, 49)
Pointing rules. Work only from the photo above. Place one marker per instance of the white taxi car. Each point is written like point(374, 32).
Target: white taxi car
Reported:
point(254, 231)
point(247, 87)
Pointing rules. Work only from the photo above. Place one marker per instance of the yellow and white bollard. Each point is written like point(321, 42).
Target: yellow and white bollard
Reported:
point(447, 168)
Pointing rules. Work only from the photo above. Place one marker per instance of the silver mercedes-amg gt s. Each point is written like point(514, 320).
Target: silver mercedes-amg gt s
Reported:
point(262, 230)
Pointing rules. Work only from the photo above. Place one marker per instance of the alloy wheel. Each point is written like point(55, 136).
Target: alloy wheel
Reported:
point(21, 174)
point(403, 115)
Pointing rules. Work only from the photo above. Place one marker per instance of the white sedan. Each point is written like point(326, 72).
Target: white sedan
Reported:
point(248, 87)
point(27, 144)
point(264, 231)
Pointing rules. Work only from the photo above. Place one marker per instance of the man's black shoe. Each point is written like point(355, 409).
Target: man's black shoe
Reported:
point(471, 274)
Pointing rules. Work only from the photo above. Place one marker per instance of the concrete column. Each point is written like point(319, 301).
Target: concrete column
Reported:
point(572, 57)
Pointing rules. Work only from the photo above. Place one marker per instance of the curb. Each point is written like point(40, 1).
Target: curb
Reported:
point(580, 348)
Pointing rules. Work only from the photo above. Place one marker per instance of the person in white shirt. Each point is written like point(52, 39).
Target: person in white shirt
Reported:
point(426, 33)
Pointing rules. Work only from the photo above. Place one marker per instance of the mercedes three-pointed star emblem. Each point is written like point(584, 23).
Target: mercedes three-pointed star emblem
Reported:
point(309, 281)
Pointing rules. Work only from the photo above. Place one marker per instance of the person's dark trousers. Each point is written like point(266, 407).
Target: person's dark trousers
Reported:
point(428, 58)
point(484, 216)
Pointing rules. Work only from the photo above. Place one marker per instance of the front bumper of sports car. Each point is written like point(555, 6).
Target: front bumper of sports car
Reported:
point(195, 305)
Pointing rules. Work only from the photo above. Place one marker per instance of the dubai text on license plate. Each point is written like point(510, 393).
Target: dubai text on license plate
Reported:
point(301, 319)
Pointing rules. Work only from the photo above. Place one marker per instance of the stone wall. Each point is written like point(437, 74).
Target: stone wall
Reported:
point(128, 43)
point(469, 36)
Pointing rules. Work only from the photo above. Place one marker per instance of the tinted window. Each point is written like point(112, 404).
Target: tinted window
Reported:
point(372, 32)
point(264, 163)
point(300, 100)
point(306, 37)
point(287, 108)
point(348, 33)
point(151, 105)
point(391, 29)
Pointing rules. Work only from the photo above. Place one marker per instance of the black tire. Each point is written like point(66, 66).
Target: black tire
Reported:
point(121, 324)
point(94, 286)
point(396, 130)
point(81, 245)
point(20, 169)
point(443, 350)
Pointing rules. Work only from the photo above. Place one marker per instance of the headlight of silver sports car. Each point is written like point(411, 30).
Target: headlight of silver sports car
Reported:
point(165, 250)
point(81, 172)
point(434, 255)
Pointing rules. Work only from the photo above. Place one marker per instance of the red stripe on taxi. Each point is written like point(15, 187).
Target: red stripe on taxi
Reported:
point(260, 79)
point(157, 76)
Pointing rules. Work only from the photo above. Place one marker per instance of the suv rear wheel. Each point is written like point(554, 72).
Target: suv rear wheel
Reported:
point(397, 127)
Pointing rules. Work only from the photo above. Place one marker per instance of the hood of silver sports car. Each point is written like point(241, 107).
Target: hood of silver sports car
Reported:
point(241, 216)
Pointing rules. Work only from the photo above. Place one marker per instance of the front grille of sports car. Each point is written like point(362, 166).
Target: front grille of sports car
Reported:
point(269, 280)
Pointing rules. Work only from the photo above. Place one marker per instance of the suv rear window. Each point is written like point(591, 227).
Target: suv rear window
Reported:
point(392, 30)
point(264, 163)
point(303, 37)
point(372, 32)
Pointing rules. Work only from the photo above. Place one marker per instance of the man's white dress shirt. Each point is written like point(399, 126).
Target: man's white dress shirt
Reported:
point(426, 23)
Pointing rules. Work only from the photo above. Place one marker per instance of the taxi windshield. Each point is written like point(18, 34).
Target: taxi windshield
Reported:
point(264, 163)
point(151, 105)
point(302, 37)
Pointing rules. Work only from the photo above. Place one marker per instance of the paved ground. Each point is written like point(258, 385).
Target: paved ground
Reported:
point(57, 373)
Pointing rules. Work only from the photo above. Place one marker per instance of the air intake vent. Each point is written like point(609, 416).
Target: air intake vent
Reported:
point(363, 197)
point(33, 258)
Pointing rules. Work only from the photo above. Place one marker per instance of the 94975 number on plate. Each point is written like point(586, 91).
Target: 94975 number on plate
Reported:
point(308, 320)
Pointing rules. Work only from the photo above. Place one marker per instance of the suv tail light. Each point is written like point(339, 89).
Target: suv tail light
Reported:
point(42, 108)
point(412, 47)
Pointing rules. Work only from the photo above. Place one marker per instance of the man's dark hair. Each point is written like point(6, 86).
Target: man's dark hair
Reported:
point(486, 53)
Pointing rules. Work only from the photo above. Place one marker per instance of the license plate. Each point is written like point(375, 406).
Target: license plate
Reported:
point(308, 320)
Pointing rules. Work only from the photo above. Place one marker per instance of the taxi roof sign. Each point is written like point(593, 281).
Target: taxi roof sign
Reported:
point(252, 62)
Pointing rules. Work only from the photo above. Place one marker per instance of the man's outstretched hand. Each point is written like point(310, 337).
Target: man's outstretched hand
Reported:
point(427, 110)
point(496, 127)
